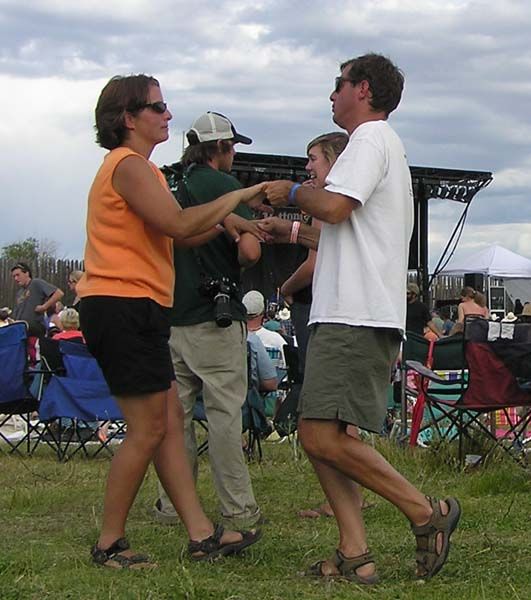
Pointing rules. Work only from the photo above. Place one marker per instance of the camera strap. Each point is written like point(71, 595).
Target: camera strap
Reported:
point(187, 200)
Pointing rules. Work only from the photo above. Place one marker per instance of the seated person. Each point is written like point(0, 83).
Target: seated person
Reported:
point(53, 321)
point(69, 318)
point(262, 370)
point(254, 303)
point(5, 318)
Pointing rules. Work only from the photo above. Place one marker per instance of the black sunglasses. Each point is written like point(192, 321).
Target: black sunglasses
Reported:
point(158, 107)
point(339, 81)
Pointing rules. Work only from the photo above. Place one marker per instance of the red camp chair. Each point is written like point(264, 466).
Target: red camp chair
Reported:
point(495, 376)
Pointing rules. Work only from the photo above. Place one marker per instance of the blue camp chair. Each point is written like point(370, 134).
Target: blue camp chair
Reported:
point(20, 387)
point(83, 396)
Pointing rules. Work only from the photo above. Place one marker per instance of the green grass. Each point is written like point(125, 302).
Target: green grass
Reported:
point(50, 515)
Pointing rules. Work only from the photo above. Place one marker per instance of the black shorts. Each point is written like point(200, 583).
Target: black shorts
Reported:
point(129, 339)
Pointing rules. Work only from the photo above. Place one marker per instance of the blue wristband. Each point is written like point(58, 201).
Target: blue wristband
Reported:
point(291, 195)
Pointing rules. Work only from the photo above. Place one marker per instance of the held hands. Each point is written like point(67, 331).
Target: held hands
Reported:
point(277, 192)
point(278, 230)
point(254, 197)
point(40, 309)
point(236, 225)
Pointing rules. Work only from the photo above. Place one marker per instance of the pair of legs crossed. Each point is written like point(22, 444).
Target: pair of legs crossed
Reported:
point(348, 371)
point(154, 433)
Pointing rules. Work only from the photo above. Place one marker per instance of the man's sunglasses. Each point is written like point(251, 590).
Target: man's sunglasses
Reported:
point(158, 107)
point(339, 81)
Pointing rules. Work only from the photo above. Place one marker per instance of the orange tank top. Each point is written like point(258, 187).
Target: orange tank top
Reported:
point(124, 256)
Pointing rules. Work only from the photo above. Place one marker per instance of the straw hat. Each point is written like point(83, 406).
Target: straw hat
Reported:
point(526, 311)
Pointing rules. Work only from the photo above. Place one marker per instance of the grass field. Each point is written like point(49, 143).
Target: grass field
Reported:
point(50, 515)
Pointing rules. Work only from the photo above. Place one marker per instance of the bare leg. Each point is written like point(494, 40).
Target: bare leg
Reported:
point(154, 431)
point(345, 501)
point(326, 508)
point(327, 442)
point(146, 424)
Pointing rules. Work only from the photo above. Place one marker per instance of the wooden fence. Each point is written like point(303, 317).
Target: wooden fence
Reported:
point(56, 272)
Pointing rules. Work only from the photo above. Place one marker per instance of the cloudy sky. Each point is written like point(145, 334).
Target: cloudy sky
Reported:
point(269, 65)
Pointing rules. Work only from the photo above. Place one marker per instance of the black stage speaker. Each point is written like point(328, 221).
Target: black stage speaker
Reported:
point(475, 281)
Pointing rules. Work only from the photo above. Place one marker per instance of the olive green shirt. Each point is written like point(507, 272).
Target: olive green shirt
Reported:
point(215, 259)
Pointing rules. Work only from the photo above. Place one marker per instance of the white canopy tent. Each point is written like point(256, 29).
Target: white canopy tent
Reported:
point(498, 263)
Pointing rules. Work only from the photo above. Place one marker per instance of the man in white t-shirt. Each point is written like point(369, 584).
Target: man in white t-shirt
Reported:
point(358, 316)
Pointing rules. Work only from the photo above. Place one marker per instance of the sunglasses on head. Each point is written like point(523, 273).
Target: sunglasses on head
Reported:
point(158, 107)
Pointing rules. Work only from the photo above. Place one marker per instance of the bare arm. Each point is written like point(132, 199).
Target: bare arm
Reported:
point(134, 180)
point(249, 251)
point(50, 301)
point(303, 276)
point(460, 314)
point(326, 206)
point(280, 230)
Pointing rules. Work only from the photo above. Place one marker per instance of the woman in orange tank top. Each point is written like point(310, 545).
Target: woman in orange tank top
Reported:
point(132, 222)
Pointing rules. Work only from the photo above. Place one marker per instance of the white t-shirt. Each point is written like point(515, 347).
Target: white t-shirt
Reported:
point(274, 344)
point(361, 269)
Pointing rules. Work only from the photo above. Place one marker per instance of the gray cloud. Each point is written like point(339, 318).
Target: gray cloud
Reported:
point(269, 65)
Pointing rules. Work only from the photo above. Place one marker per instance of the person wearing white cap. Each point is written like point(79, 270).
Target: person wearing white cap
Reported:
point(208, 356)
point(274, 343)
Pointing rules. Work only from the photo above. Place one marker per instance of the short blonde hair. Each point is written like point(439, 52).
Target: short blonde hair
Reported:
point(69, 318)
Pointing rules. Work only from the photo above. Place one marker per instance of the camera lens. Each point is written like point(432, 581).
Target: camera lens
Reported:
point(222, 312)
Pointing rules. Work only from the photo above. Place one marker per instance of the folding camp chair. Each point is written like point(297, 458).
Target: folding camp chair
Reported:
point(82, 395)
point(494, 376)
point(286, 417)
point(18, 397)
point(444, 355)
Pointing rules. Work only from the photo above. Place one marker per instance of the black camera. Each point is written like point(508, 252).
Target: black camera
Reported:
point(221, 291)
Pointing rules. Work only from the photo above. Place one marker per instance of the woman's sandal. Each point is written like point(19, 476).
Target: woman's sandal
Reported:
point(429, 561)
point(113, 557)
point(347, 567)
point(211, 547)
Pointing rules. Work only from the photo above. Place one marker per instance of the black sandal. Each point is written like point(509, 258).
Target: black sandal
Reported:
point(112, 557)
point(211, 547)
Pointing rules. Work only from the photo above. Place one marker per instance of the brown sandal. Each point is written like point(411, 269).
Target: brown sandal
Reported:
point(113, 557)
point(429, 561)
point(347, 567)
point(211, 547)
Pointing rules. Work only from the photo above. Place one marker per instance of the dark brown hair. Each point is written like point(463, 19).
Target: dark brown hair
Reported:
point(202, 152)
point(386, 81)
point(120, 95)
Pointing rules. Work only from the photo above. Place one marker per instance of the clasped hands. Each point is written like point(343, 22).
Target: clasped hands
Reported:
point(270, 229)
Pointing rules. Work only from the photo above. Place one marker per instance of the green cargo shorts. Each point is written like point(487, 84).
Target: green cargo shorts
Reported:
point(348, 372)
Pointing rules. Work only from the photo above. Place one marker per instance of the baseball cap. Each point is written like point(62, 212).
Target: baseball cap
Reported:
point(214, 126)
point(254, 303)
